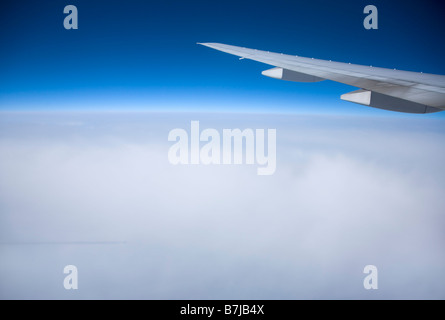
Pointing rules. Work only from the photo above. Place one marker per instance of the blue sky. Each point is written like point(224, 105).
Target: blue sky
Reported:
point(143, 54)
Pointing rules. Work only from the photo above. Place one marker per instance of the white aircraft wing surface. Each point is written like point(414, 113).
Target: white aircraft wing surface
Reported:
point(390, 89)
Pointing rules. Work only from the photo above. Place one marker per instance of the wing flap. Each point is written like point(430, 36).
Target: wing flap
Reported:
point(381, 101)
point(289, 75)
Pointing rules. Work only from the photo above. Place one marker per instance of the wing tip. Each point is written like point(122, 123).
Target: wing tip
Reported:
point(209, 44)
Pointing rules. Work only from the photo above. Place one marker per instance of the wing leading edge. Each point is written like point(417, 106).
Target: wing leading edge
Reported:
point(395, 90)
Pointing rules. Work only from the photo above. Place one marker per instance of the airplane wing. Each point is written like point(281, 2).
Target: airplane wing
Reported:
point(395, 90)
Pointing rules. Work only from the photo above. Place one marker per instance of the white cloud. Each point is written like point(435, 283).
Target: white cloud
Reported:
point(347, 192)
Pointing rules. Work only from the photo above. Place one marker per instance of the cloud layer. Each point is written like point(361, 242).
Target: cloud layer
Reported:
point(348, 192)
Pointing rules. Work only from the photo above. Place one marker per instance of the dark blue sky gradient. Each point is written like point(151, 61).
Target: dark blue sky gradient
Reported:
point(143, 54)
